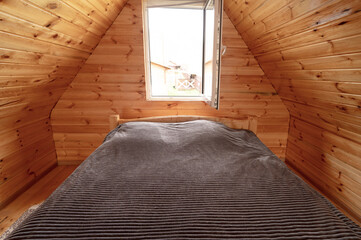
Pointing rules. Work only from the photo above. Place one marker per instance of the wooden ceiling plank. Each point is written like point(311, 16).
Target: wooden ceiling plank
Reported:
point(326, 86)
point(338, 29)
point(32, 13)
point(25, 57)
point(293, 22)
point(342, 61)
point(70, 14)
point(24, 28)
point(89, 10)
point(345, 45)
point(106, 8)
point(16, 42)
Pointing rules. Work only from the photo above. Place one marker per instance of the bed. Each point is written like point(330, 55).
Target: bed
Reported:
point(185, 177)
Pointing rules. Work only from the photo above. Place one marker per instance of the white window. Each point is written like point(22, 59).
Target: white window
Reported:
point(182, 40)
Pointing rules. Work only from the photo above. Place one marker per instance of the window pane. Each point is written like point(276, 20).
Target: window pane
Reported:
point(176, 44)
point(208, 49)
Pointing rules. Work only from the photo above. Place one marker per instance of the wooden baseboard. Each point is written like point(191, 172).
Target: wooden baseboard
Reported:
point(35, 194)
point(70, 162)
point(26, 187)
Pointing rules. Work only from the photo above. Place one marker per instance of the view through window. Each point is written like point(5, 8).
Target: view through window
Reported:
point(176, 51)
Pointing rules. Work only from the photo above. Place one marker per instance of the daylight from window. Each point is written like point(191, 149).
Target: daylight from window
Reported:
point(208, 49)
point(176, 51)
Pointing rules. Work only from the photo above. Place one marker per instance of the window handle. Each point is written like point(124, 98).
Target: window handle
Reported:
point(224, 48)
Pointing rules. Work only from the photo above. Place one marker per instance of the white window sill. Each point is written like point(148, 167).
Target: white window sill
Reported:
point(181, 98)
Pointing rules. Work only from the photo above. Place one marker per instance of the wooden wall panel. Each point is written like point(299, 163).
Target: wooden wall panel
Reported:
point(112, 81)
point(310, 50)
point(43, 44)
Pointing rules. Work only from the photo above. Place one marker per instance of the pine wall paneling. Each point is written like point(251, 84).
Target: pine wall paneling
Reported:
point(43, 44)
point(112, 81)
point(311, 52)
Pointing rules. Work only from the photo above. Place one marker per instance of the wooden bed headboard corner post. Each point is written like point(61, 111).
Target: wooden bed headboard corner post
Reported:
point(253, 122)
point(113, 121)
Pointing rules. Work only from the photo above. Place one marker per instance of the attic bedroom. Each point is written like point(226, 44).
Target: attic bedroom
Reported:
point(180, 119)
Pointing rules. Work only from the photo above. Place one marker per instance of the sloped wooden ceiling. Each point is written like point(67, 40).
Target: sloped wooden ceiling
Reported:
point(311, 52)
point(43, 44)
point(112, 81)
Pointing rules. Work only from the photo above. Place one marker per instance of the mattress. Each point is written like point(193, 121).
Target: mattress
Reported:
point(191, 180)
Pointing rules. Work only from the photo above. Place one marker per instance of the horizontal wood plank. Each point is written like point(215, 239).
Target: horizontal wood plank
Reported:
point(42, 47)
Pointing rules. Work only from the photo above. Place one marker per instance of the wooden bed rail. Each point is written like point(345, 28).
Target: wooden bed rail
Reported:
point(249, 123)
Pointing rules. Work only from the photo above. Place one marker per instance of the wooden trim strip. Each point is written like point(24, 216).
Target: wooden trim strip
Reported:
point(249, 123)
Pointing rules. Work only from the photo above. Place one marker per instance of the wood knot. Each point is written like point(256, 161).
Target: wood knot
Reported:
point(170, 105)
point(31, 173)
point(342, 23)
point(52, 5)
point(342, 108)
point(113, 40)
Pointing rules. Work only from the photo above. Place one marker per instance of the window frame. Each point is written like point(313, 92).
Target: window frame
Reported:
point(214, 99)
point(147, 64)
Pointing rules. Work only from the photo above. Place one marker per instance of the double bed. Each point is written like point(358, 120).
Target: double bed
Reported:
point(172, 178)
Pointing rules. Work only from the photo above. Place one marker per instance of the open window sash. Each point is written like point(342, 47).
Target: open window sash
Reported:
point(212, 44)
point(212, 51)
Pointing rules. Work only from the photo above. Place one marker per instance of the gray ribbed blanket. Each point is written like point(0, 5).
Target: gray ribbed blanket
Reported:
point(192, 180)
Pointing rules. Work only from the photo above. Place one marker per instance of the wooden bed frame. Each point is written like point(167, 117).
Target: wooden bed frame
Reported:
point(249, 123)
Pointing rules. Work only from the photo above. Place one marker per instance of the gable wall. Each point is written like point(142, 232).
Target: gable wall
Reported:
point(112, 81)
point(311, 52)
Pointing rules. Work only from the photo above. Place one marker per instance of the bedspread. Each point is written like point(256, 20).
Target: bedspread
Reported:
point(191, 180)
